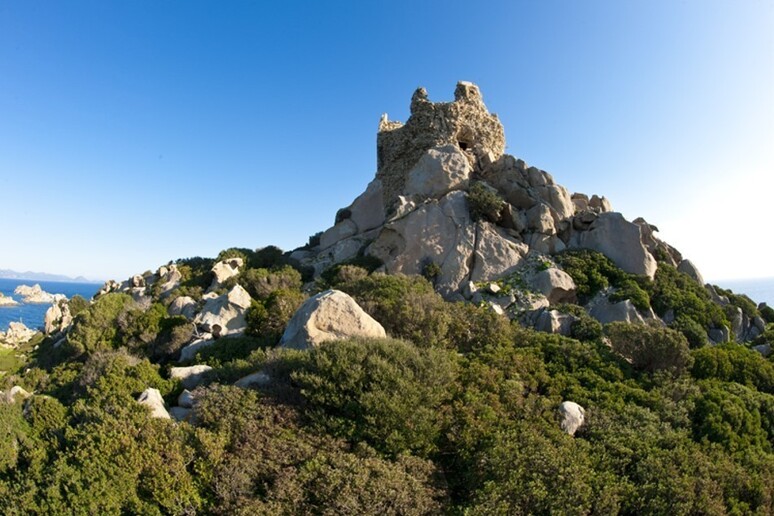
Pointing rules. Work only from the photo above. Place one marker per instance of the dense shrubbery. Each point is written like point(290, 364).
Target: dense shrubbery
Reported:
point(459, 416)
point(592, 272)
point(484, 203)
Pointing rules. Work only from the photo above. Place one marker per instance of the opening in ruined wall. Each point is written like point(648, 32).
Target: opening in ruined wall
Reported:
point(465, 138)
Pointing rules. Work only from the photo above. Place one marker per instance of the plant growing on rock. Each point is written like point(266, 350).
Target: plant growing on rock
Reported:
point(484, 202)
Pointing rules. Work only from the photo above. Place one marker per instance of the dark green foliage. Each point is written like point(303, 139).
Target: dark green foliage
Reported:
point(767, 313)
point(385, 392)
point(592, 272)
point(734, 363)
point(431, 271)
point(260, 283)
point(268, 257)
point(650, 348)
point(196, 272)
point(692, 330)
point(77, 304)
point(268, 320)
point(748, 306)
point(484, 203)
point(235, 252)
point(585, 327)
point(407, 306)
point(333, 275)
point(689, 301)
point(228, 349)
point(97, 328)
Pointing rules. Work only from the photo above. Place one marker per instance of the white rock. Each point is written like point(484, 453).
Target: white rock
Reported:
point(496, 254)
point(186, 399)
point(344, 229)
point(690, 269)
point(555, 284)
point(190, 351)
point(439, 171)
point(619, 240)
point(540, 219)
point(15, 392)
point(552, 321)
point(36, 295)
point(439, 231)
point(191, 376)
point(183, 305)
point(225, 314)
point(367, 211)
point(258, 379)
point(17, 334)
point(330, 315)
point(224, 270)
point(7, 300)
point(572, 416)
point(152, 398)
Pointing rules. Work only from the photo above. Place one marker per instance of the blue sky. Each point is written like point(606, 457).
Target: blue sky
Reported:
point(132, 133)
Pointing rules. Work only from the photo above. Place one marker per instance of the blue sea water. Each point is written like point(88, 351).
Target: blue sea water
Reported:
point(32, 314)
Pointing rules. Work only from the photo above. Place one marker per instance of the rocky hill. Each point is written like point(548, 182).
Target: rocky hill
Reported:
point(468, 337)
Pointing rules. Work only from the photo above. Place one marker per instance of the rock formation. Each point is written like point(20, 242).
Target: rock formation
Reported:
point(7, 301)
point(36, 295)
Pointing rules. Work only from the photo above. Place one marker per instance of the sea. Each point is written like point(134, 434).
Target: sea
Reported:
point(32, 314)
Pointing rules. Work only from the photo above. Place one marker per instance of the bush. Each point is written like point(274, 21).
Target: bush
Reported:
point(386, 392)
point(650, 348)
point(484, 203)
point(261, 283)
point(97, 328)
point(77, 305)
point(336, 274)
point(268, 320)
point(734, 363)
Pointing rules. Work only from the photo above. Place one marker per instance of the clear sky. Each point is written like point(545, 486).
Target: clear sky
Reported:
point(132, 133)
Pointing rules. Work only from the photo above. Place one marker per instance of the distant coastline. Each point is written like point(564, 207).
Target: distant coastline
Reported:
point(44, 276)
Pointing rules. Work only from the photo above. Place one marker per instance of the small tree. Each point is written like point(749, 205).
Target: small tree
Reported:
point(650, 348)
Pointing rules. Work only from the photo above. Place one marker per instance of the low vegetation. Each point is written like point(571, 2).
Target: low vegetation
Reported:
point(454, 413)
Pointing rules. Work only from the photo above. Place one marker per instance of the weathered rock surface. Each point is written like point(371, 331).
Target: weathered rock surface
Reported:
point(257, 379)
point(224, 270)
point(169, 278)
point(225, 314)
point(330, 315)
point(605, 311)
point(496, 254)
point(180, 413)
point(572, 416)
point(690, 269)
point(186, 399)
point(439, 171)
point(553, 321)
point(191, 376)
point(440, 232)
point(619, 240)
point(7, 300)
point(17, 334)
point(152, 398)
point(555, 284)
point(183, 305)
point(36, 295)
point(57, 317)
point(190, 351)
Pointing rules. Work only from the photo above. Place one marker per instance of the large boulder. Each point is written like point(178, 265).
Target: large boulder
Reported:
point(57, 317)
point(439, 171)
point(17, 334)
point(605, 311)
point(183, 305)
point(330, 315)
point(555, 284)
point(572, 416)
point(367, 211)
point(440, 232)
point(169, 279)
point(191, 376)
point(619, 240)
point(686, 266)
point(225, 314)
point(224, 270)
point(496, 254)
point(152, 398)
point(553, 321)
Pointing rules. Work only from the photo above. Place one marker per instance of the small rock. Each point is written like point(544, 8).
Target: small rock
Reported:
point(180, 413)
point(186, 399)
point(258, 379)
point(572, 416)
point(152, 398)
point(191, 376)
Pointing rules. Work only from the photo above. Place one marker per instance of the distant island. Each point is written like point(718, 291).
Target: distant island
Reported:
point(43, 276)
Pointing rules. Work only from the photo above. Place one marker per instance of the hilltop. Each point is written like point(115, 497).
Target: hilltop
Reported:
point(467, 337)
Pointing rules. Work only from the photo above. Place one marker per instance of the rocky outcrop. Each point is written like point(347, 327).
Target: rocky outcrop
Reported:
point(17, 334)
point(225, 314)
point(619, 240)
point(191, 376)
point(190, 351)
point(169, 278)
point(687, 267)
point(57, 318)
point(152, 399)
point(7, 301)
point(183, 305)
point(36, 295)
point(606, 311)
point(224, 270)
point(555, 284)
point(330, 315)
point(440, 231)
point(439, 171)
point(572, 416)
point(553, 321)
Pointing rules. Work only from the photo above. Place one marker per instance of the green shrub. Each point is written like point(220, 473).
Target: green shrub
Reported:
point(386, 392)
point(585, 327)
point(767, 313)
point(77, 305)
point(650, 348)
point(748, 306)
point(267, 320)
point(97, 328)
point(484, 203)
point(269, 257)
point(261, 283)
point(235, 252)
point(734, 363)
point(333, 275)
